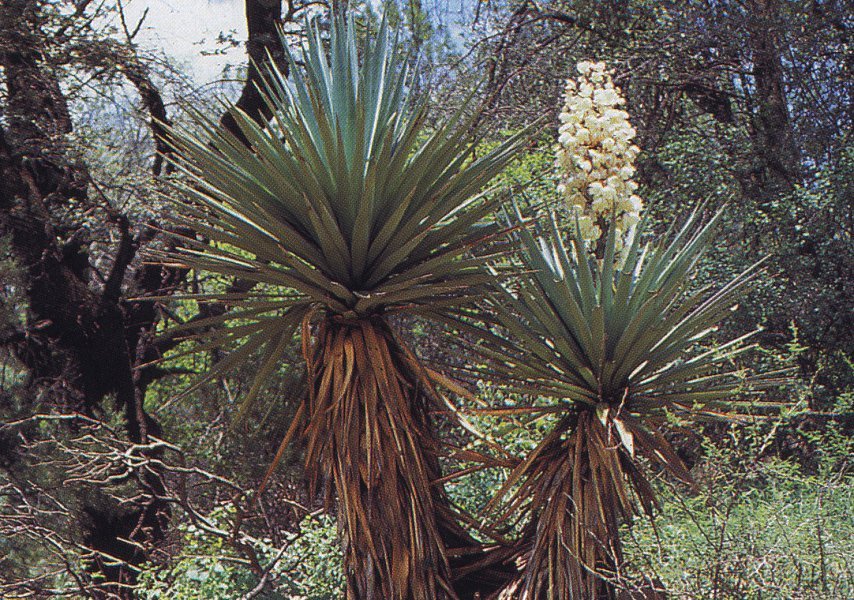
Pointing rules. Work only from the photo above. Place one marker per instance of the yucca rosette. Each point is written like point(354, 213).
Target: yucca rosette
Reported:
point(612, 354)
point(344, 209)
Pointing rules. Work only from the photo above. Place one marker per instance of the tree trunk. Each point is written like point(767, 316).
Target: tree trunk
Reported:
point(774, 138)
point(83, 343)
point(81, 340)
point(262, 18)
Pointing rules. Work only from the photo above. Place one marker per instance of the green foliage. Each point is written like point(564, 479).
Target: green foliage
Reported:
point(595, 333)
point(759, 526)
point(306, 566)
point(770, 517)
point(756, 527)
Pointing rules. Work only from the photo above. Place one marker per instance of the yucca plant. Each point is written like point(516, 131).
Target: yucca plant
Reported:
point(619, 349)
point(345, 210)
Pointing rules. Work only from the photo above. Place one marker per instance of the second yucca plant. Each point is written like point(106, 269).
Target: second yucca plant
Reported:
point(608, 331)
point(618, 348)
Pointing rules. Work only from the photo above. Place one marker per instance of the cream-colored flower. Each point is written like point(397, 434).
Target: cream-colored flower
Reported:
point(595, 155)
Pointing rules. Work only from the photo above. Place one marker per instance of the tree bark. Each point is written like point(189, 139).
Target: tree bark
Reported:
point(81, 339)
point(773, 133)
point(263, 17)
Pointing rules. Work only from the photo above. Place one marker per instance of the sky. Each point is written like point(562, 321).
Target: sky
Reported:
point(185, 28)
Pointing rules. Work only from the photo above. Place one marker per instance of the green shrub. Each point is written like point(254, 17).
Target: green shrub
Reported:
point(207, 567)
point(756, 528)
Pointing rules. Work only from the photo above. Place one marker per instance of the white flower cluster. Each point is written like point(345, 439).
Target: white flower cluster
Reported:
point(595, 154)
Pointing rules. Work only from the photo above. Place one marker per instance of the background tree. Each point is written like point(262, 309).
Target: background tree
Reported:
point(75, 243)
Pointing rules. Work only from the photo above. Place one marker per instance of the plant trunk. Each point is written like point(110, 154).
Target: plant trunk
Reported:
point(370, 441)
point(578, 496)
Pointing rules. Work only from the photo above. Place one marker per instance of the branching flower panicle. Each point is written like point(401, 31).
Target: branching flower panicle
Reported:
point(595, 155)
